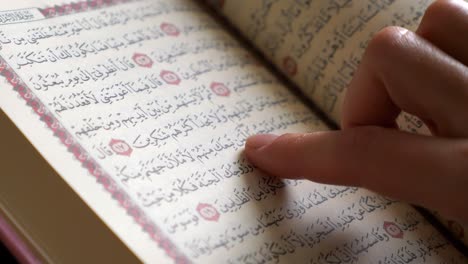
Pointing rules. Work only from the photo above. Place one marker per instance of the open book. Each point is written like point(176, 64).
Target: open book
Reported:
point(143, 107)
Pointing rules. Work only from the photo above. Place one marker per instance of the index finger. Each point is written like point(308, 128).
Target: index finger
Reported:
point(402, 71)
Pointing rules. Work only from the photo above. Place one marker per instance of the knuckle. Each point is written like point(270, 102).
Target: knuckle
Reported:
point(388, 46)
point(436, 15)
point(441, 9)
point(389, 42)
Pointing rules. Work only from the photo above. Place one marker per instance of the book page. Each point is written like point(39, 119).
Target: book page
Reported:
point(148, 103)
point(319, 44)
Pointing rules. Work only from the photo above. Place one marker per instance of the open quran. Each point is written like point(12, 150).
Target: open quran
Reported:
point(134, 116)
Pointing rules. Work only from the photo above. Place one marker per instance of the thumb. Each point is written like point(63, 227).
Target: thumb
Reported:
point(419, 169)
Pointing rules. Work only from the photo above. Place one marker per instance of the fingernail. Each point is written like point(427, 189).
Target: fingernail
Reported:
point(260, 140)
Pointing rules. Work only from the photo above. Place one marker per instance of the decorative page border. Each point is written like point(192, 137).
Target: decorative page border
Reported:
point(67, 139)
point(79, 6)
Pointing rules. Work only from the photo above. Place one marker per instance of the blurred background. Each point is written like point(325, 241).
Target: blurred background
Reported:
point(5, 256)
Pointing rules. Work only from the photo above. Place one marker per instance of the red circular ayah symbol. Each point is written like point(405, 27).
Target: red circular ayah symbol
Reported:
point(220, 89)
point(170, 77)
point(208, 212)
point(142, 60)
point(120, 147)
point(393, 230)
point(170, 29)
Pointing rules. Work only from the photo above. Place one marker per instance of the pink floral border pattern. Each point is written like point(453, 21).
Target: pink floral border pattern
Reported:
point(79, 6)
point(76, 149)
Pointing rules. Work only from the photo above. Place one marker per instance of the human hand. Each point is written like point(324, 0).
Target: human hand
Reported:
point(423, 73)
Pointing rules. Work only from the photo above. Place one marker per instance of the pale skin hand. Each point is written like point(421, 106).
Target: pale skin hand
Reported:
point(423, 73)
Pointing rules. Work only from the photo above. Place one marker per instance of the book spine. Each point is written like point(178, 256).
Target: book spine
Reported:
point(15, 244)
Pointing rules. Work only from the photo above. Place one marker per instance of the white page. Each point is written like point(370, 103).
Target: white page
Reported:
point(319, 44)
point(155, 99)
